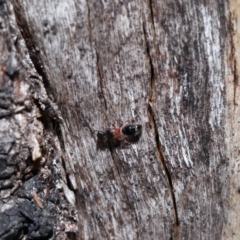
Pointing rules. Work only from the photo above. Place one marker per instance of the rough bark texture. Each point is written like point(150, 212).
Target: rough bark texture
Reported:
point(232, 127)
point(71, 68)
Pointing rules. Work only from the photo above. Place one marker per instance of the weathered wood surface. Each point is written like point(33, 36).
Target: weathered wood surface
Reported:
point(171, 65)
point(232, 127)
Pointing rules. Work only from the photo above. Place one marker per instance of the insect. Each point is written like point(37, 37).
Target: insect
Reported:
point(119, 136)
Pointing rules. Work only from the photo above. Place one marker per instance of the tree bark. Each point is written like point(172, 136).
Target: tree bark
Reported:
point(72, 68)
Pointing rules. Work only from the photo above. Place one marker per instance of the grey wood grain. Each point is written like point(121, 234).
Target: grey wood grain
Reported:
point(162, 64)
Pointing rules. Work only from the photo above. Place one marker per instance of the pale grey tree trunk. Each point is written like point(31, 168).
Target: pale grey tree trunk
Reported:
point(72, 68)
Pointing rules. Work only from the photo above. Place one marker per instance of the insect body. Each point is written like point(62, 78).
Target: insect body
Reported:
point(119, 136)
point(132, 129)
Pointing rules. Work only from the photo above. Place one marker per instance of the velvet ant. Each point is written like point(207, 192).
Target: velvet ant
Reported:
point(119, 136)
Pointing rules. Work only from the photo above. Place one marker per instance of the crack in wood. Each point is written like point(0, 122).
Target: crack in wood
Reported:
point(233, 57)
point(151, 13)
point(101, 81)
point(168, 175)
point(158, 144)
point(31, 45)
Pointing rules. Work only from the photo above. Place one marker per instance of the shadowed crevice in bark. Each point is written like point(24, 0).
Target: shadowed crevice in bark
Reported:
point(32, 47)
point(233, 56)
point(168, 175)
point(151, 13)
point(158, 144)
point(50, 109)
point(101, 81)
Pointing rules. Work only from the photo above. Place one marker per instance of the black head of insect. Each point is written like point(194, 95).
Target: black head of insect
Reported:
point(132, 132)
point(132, 129)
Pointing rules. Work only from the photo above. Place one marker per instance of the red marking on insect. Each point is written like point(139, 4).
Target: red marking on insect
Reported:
point(119, 136)
point(117, 132)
